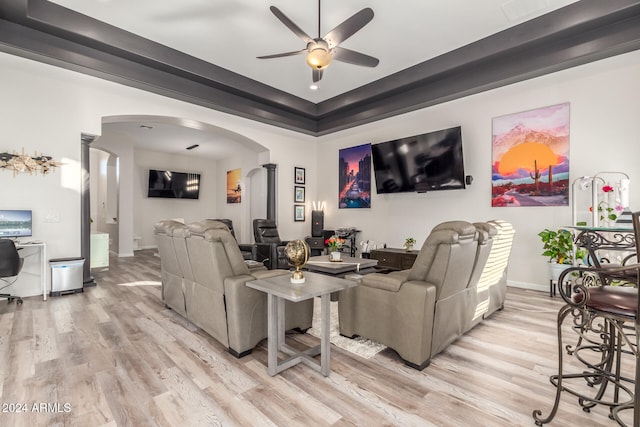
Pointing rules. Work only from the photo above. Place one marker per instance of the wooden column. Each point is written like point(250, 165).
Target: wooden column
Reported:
point(85, 211)
point(271, 190)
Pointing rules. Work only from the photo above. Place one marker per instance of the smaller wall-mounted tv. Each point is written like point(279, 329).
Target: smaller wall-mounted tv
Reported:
point(428, 162)
point(173, 185)
point(16, 223)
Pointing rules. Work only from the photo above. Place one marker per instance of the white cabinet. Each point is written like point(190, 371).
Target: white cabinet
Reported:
point(99, 250)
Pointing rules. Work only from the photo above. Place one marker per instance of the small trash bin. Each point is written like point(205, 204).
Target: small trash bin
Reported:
point(66, 275)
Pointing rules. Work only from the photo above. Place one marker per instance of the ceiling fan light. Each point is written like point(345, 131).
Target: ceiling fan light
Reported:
point(319, 58)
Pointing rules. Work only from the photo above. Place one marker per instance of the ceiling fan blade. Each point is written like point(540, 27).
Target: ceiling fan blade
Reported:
point(290, 25)
point(280, 55)
point(353, 57)
point(316, 75)
point(349, 27)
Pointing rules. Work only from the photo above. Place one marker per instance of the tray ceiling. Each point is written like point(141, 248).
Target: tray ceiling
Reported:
point(232, 33)
point(204, 52)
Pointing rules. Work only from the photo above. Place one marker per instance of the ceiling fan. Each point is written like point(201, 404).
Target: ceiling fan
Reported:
point(322, 50)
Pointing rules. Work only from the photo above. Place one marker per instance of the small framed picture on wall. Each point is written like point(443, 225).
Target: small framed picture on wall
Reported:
point(298, 196)
point(298, 213)
point(299, 175)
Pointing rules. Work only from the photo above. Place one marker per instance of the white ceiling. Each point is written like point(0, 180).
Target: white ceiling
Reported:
point(173, 137)
point(232, 33)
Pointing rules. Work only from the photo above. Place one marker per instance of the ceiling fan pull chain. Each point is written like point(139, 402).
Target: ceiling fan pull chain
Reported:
point(319, 19)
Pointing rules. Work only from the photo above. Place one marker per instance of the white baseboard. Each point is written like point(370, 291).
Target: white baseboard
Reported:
point(528, 285)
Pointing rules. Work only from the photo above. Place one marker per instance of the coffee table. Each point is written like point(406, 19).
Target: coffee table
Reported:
point(321, 264)
point(279, 289)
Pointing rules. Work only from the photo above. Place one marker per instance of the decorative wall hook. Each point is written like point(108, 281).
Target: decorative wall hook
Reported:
point(25, 163)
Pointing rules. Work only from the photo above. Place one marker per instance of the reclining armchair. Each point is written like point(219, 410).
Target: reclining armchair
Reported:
point(213, 285)
point(418, 312)
point(249, 251)
point(270, 249)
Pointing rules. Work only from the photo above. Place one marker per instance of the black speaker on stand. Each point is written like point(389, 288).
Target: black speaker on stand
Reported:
point(317, 223)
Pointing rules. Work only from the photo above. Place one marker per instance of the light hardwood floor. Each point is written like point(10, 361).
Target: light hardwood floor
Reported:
point(114, 355)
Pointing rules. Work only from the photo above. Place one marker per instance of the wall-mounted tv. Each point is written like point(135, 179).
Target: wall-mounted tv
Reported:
point(173, 185)
point(427, 162)
point(16, 223)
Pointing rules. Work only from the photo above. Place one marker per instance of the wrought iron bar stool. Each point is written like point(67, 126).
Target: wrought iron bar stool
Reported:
point(603, 305)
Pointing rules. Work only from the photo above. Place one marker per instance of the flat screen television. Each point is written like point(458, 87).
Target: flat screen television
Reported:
point(428, 162)
point(173, 185)
point(16, 223)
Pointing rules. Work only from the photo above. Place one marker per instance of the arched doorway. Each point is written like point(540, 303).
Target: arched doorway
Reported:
point(143, 141)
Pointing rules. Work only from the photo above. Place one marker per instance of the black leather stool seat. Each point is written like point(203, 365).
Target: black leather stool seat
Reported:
point(616, 300)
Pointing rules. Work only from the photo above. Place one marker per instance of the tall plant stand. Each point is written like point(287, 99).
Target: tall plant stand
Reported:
point(609, 195)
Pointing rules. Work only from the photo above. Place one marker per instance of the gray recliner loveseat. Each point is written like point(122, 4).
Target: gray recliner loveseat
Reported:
point(413, 311)
point(204, 278)
point(458, 279)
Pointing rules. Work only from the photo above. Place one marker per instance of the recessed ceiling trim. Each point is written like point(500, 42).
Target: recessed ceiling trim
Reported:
point(70, 25)
point(26, 42)
point(579, 33)
point(506, 67)
point(573, 23)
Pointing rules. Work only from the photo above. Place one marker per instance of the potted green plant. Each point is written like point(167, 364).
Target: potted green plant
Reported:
point(558, 246)
point(408, 243)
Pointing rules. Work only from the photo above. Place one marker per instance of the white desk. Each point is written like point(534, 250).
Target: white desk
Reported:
point(41, 248)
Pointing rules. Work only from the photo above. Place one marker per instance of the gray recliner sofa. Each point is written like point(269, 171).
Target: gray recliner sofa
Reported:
point(211, 291)
point(418, 312)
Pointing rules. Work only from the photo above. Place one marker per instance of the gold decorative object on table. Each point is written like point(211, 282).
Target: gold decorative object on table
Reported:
point(25, 163)
point(297, 254)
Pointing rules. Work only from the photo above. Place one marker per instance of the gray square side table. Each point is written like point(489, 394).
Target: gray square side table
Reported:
point(278, 290)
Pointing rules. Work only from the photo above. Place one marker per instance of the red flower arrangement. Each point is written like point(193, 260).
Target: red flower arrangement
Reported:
point(607, 188)
point(334, 243)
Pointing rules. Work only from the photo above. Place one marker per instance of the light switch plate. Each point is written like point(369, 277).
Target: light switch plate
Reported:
point(52, 216)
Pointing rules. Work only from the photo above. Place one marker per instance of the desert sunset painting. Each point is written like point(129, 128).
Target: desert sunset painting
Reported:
point(531, 158)
point(234, 189)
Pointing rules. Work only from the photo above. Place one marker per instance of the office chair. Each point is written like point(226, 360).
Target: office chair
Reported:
point(10, 266)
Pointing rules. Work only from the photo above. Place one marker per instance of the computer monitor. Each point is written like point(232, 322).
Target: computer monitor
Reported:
point(15, 223)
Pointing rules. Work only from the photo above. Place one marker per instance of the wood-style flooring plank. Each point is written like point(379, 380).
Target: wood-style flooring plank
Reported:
point(84, 393)
point(199, 408)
